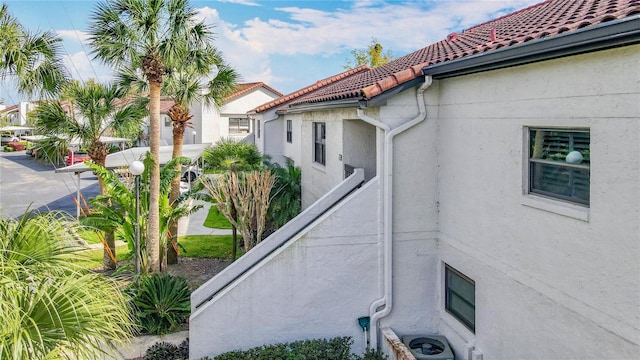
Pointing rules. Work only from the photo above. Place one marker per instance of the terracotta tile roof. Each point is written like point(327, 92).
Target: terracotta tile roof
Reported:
point(9, 108)
point(245, 88)
point(544, 20)
point(166, 104)
point(312, 89)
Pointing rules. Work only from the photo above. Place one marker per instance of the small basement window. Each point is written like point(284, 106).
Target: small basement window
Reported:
point(460, 297)
point(559, 164)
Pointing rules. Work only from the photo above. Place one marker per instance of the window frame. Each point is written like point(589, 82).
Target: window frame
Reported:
point(320, 143)
point(531, 162)
point(240, 128)
point(447, 297)
point(289, 131)
point(258, 128)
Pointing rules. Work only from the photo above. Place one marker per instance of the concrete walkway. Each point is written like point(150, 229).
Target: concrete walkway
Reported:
point(194, 223)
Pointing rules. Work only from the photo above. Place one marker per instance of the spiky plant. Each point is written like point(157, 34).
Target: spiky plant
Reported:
point(51, 308)
point(246, 194)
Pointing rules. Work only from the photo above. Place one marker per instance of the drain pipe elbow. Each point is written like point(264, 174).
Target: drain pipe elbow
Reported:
point(386, 302)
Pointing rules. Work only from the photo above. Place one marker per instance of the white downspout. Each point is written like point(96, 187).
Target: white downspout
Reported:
point(387, 188)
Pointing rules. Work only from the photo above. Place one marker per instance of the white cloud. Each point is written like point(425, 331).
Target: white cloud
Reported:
point(73, 35)
point(402, 27)
point(241, 2)
point(83, 69)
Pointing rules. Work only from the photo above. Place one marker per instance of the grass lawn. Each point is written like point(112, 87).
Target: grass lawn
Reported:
point(90, 236)
point(215, 220)
point(206, 246)
point(92, 259)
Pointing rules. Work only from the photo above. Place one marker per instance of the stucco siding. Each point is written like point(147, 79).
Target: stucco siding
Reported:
point(318, 179)
point(571, 283)
point(315, 286)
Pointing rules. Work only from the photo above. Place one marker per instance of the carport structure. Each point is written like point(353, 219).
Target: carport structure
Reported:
point(122, 160)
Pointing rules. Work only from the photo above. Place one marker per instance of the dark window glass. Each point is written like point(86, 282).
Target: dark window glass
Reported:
point(289, 131)
point(319, 150)
point(559, 164)
point(460, 297)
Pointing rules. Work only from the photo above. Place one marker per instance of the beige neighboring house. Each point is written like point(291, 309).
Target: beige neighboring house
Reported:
point(450, 193)
point(211, 124)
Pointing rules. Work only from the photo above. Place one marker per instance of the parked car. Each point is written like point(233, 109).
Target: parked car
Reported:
point(74, 157)
point(190, 173)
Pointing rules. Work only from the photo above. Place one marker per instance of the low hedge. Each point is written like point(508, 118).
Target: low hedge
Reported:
point(338, 348)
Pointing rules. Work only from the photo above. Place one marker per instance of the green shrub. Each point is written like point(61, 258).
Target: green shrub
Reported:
point(161, 351)
point(371, 354)
point(167, 351)
point(320, 349)
point(160, 302)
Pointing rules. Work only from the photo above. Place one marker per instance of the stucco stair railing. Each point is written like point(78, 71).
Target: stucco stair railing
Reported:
point(208, 290)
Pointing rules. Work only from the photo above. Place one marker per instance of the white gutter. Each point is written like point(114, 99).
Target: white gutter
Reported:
point(386, 301)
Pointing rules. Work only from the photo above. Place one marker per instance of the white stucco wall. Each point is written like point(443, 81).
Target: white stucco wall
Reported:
point(548, 286)
point(318, 179)
point(552, 281)
point(316, 286)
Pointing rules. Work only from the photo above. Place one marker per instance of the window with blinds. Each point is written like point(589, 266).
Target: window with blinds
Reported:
point(559, 164)
point(460, 297)
point(238, 126)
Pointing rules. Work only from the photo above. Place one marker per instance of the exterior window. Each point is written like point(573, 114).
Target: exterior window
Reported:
point(238, 126)
point(319, 147)
point(289, 131)
point(460, 297)
point(258, 128)
point(167, 121)
point(559, 165)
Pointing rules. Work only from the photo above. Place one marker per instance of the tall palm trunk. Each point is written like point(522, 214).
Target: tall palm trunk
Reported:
point(178, 137)
point(153, 238)
point(98, 152)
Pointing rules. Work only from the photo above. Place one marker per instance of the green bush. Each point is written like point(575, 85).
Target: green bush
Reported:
point(319, 349)
point(167, 351)
point(371, 354)
point(160, 302)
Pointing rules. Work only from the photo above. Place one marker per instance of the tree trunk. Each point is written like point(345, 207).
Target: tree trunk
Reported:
point(153, 237)
point(178, 137)
point(98, 152)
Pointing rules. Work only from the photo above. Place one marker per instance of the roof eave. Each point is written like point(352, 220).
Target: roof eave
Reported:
point(324, 105)
point(600, 37)
point(381, 99)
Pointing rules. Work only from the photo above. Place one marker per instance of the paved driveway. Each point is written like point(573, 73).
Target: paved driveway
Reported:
point(26, 182)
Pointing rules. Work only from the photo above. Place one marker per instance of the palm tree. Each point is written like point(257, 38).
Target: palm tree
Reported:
point(33, 58)
point(51, 308)
point(115, 211)
point(156, 38)
point(286, 195)
point(95, 110)
point(186, 88)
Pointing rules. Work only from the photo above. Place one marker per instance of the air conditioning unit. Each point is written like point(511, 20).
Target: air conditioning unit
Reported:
point(428, 347)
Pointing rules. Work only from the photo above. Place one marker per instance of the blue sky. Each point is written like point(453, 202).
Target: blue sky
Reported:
point(286, 44)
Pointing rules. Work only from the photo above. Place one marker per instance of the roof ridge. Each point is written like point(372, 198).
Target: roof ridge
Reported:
point(528, 8)
point(250, 86)
point(546, 19)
